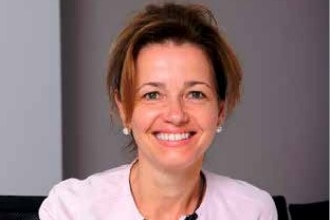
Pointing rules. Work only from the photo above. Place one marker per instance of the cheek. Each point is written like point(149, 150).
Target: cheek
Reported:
point(207, 116)
point(142, 118)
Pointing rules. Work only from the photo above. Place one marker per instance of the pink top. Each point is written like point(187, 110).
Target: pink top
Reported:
point(107, 195)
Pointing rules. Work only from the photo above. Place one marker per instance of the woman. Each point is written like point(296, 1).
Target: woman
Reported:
point(173, 79)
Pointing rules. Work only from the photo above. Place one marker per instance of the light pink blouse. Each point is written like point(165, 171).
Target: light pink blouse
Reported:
point(107, 195)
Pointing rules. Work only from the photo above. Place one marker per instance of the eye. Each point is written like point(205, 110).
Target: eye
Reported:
point(196, 95)
point(151, 95)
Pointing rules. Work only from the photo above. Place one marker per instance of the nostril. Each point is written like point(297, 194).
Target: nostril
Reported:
point(175, 111)
point(177, 117)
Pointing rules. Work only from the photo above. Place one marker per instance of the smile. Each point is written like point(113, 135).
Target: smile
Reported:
point(173, 136)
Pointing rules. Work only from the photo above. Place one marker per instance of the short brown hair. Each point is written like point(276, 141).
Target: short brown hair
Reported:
point(178, 23)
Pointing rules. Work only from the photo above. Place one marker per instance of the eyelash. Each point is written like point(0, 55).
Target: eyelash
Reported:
point(148, 95)
point(191, 95)
point(200, 95)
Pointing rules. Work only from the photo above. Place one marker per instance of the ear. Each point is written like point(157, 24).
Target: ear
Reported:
point(222, 112)
point(121, 108)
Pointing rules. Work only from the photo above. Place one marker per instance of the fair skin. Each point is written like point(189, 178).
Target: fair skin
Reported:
point(175, 116)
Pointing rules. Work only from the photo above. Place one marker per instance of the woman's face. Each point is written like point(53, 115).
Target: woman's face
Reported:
point(176, 110)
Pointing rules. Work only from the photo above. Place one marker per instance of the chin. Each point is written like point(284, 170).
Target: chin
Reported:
point(180, 162)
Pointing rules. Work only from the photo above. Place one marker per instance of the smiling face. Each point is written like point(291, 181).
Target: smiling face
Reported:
point(176, 110)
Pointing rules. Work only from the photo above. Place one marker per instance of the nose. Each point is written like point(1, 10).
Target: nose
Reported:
point(175, 112)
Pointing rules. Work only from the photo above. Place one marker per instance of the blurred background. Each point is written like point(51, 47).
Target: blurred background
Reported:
point(54, 115)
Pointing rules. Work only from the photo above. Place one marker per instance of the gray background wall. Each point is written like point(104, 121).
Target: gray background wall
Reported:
point(277, 138)
point(30, 104)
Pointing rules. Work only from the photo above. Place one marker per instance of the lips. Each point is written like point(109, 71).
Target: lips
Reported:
point(173, 136)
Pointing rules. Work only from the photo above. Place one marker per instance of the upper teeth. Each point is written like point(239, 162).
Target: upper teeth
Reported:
point(172, 137)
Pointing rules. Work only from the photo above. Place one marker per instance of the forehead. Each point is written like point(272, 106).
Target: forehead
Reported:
point(170, 60)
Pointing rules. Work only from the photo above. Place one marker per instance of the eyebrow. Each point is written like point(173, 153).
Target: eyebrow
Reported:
point(153, 84)
point(193, 83)
point(186, 84)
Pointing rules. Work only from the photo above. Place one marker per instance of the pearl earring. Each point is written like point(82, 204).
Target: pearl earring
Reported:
point(126, 131)
point(219, 129)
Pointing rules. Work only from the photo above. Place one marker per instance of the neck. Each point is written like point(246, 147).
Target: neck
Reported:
point(165, 195)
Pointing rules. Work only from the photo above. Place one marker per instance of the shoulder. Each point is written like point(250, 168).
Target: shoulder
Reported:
point(233, 188)
point(96, 183)
point(69, 198)
point(239, 196)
